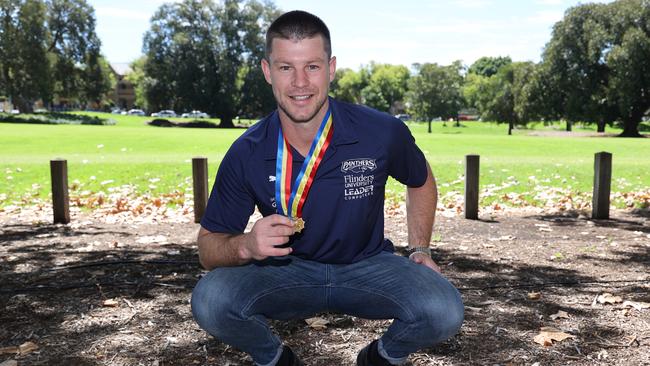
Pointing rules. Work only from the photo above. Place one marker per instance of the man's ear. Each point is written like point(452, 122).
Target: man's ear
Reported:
point(332, 65)
point(266, 69)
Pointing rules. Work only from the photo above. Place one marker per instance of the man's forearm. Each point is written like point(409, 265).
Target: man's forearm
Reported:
point(221, 250)
point(421, 205)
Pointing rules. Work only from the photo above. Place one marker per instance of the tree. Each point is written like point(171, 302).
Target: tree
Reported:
point(204, 55)
point(598, 60)
point(507, 96)
point(73, 43)
point(347, 84)
point(139, 81)
point(435, 91)
point(386, 86)
point(256, 96)
point(23, 55)
point(47, 49)
point(488, 66)
point(97, 79)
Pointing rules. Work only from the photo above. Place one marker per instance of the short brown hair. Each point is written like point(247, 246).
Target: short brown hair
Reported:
point(298, 25)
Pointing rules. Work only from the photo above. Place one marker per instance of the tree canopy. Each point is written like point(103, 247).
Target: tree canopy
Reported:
point(435, 91)
point(488, 66)
point(598, 63)
point(205, 55)
point(49, 49)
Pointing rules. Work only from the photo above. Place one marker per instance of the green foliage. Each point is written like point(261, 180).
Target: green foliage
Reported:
point(141, 83)
point(24, 63)
point(386, 86)
point(435, 91)
point(206, 55)
point(507, 96)
point(488, 66)
point(598, 61)
point(54, 118)
point(49, 49)
point(347, 85)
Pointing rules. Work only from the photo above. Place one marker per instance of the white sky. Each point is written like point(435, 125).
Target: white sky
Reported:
point(395, 32)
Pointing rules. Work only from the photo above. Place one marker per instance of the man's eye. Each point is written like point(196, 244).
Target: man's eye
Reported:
point(313, 67)
point(285, 68)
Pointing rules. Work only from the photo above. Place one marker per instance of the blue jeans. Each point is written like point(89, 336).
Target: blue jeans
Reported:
point(234, 303)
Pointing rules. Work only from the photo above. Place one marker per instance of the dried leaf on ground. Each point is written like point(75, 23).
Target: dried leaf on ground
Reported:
point(636, 304)
point(111, 303)
point(607, 298)
point(317, 323)
point(547, 335)
point(534, 295)
point(560, 314)
point(9, 363)
point(7, 350)
point(27, 347)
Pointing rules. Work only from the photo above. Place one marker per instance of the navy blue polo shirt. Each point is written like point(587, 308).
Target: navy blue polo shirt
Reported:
point(344, 211)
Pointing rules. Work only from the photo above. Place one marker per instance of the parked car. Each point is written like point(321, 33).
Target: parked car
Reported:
point(164, 113)
point(136, 112)
point(403, 116)
point(116, 111)
point(195, 114)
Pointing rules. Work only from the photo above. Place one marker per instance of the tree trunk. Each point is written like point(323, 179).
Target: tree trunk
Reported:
point(631, 129)
point(23, 105)
point(510, 127)
point(601, 126)
point(568, 126)
point(226, 122)
point(429, 126)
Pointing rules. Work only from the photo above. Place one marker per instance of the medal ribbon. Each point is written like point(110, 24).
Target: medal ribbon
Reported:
point(289, 201)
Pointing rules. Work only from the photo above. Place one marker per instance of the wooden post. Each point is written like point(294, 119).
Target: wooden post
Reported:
point(60, 198)
point(471, 186)
point(200, 178)
point(602, 185)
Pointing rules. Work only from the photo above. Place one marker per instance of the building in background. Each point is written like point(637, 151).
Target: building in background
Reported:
point(124, 93)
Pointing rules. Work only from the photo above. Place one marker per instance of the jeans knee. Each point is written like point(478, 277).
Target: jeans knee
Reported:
point(210, 305)
point(455, 315)
point(443, 319)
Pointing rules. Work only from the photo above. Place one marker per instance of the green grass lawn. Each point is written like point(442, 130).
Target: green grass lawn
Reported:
point(157, 160)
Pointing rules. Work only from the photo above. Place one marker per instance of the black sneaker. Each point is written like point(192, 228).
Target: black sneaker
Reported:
point(288, 358)
point(369, 356)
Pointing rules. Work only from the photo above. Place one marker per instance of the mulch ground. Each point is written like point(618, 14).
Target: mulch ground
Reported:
point(93, 293)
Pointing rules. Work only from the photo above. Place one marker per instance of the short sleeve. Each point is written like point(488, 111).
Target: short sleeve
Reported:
point(231, 203)
point(407, 163)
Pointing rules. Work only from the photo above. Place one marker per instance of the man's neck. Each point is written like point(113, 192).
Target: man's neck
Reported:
point(301, 134)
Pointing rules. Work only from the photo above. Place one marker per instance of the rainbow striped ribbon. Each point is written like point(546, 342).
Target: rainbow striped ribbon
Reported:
point(289, 201)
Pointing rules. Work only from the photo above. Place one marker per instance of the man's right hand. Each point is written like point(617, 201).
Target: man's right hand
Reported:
point(267, 233)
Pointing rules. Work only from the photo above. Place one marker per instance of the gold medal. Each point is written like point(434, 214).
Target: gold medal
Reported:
point(298, 225)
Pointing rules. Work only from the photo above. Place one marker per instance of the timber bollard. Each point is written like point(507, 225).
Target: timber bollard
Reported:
point(200, 178)
point(602, 185)
point(60, 197)
point(471, 186)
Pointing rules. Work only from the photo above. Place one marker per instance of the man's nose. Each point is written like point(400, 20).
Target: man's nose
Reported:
point(300, 78)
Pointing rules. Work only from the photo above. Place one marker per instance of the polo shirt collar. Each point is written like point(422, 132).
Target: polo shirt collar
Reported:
point(344, 132)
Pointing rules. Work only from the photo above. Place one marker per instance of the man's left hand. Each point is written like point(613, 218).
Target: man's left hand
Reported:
point(425, 260)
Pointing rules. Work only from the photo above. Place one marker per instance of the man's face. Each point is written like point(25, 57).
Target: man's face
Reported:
point(300, 73)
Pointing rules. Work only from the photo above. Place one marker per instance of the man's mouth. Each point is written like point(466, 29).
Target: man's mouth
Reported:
point(300, 97)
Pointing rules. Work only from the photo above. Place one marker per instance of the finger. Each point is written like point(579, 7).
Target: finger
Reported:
point(276, 219)
point(274, 241)
point(278, 252)
point(281, 230)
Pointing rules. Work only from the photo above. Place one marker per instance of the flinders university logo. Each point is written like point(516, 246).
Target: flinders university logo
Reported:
point(358, 165)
